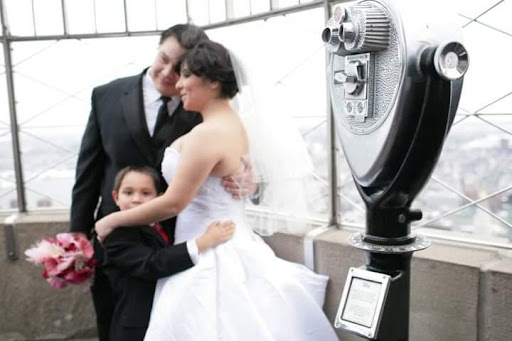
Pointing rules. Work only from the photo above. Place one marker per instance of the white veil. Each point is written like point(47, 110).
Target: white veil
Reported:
point(289, 194)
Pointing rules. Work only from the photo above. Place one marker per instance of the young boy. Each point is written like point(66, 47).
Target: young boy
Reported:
point(135, 258)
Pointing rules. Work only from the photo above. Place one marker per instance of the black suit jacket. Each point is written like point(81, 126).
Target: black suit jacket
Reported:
point(135, 258)
point(116, 136)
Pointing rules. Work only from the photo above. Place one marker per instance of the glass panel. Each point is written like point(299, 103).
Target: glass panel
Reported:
point(198, 11)
point(475, 164)
point(110, 16)
point(476, 97)
point(217, 10)
point(259, 6)
point(503, 106)
point(476, 161)
point(48, 17)
point(351, 206)
point(295, 38)
point(53, 83)
point(48, 164)
point(499, 18)
point(80, 16)
point(287, 3)
point(4, 100)
point(20, 18)
point(313, 130)
point(141, 15)
point(170, 13)
point(53, 87)
point(472, 9)
point(241, 8)
point(477, 223)
point(306, 63)
point(8, 194)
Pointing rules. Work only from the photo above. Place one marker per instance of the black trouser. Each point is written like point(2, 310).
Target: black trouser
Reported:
point(102, 295)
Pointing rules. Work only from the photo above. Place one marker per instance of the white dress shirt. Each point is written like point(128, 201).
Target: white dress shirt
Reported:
point(153, 102)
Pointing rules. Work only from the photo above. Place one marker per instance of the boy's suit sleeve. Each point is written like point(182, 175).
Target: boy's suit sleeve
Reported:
point(125, 249)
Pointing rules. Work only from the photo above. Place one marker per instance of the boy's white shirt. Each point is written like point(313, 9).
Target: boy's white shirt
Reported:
point(193, 251)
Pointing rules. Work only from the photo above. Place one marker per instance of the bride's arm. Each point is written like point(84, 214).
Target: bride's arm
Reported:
point(199, 155)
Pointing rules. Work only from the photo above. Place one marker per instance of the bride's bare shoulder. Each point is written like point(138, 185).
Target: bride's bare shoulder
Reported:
point(205, 136)
point(205, 131)
point(222, 133)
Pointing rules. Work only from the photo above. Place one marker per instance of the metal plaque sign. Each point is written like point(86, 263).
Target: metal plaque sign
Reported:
point(362, 302)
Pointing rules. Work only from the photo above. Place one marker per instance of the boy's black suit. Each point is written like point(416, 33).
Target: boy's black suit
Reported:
point(116, 136)
point(135, 258)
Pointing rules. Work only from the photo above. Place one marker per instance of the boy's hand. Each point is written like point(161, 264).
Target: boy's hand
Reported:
point(217, 233)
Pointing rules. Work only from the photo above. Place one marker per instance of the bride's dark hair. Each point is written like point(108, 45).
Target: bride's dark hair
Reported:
point(211, 60)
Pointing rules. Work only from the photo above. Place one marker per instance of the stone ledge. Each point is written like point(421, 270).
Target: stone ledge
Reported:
point(458, 292)
point(31, 309)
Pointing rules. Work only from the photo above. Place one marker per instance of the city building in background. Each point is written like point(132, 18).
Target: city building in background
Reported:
point(55, 51)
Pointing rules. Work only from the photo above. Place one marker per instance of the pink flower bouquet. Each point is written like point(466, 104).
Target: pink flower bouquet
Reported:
point(67, 258)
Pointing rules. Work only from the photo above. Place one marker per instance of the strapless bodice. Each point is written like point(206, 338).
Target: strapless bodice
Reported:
point(212, 202)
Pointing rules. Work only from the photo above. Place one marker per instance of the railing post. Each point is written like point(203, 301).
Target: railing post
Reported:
point(20, 189)
point(331, 141)
point(10, 238)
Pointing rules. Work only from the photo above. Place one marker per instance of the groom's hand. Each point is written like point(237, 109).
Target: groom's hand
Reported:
point(241, 184)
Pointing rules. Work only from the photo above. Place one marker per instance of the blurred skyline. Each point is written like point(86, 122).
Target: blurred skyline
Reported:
point(54, 78)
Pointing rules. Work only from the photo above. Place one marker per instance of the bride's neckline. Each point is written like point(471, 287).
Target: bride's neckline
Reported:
point(178, 153)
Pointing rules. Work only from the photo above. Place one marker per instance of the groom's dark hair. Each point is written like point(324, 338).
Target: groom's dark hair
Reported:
point(187, 35)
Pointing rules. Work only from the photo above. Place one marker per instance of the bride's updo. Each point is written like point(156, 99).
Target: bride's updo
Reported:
point(211, 60)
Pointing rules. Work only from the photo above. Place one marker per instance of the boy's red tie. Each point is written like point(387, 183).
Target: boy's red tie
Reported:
point(161, 232)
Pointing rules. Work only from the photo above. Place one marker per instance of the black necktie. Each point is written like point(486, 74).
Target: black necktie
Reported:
point(163, 114)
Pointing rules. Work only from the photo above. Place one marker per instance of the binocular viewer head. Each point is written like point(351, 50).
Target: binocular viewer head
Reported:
point(395, 77)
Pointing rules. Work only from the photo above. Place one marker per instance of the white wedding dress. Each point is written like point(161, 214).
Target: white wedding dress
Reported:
point(239, 290)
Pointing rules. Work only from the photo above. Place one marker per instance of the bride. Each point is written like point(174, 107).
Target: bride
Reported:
point(239, 290)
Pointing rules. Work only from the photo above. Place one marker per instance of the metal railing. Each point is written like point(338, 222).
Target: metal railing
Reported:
point(335, 190)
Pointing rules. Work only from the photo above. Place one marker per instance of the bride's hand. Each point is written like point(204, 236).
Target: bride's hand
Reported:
point(241, 184)
point(103, 228)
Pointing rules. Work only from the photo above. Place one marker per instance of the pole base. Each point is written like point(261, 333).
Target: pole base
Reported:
point(357, 240)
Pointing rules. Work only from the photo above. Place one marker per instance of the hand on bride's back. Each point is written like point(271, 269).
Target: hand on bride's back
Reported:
point(241, 184)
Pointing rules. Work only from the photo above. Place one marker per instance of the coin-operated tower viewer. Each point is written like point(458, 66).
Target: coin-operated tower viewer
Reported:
point(395, 73)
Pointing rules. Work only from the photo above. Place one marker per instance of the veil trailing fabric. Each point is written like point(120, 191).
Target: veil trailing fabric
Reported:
point(289, 195)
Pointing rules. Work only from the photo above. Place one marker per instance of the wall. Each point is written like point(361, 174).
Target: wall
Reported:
point(457, 292)
point(30, 308)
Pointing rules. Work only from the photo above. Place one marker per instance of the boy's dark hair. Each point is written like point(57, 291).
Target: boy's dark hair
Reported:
point(187, 35)
point(211, 60)
point(118, 180)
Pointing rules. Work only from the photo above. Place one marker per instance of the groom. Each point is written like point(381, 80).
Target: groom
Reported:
point(132, 121)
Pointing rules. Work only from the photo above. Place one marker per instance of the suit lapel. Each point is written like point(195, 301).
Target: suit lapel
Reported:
point(133, 112)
